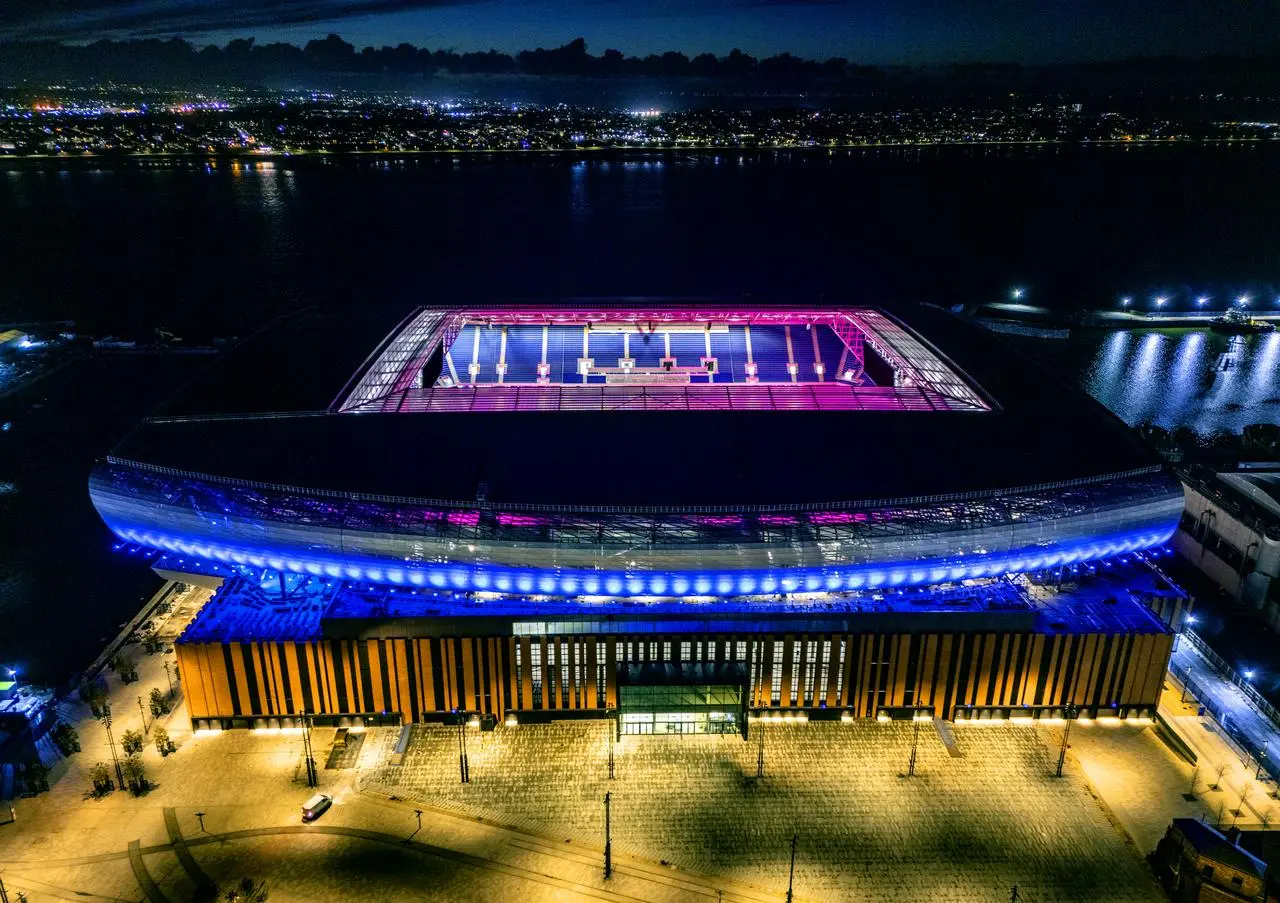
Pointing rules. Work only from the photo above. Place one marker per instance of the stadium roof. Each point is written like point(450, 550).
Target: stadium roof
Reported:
point(263, 415)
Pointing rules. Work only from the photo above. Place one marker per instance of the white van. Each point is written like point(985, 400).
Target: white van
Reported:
point(315, 807)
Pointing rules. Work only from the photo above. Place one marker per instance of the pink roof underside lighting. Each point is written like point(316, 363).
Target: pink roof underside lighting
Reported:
point(923, 381)
point(806, 397)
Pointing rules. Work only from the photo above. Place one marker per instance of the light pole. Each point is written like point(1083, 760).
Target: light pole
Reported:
point(312, 777)
point(795, 838)
point(612, 734)
point(464, 769)
point(200, 817)
point(915, 745)
point(408, 840)
point(760, 747)
point(168, 677)
point(1071, 711)
point(111, 742)
point(608, 838)
point(146, 728)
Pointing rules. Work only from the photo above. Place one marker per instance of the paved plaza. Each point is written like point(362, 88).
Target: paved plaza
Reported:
point(962, 829)
point(690, 819)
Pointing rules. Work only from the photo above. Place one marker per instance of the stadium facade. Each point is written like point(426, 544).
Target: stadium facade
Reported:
point(678, 514)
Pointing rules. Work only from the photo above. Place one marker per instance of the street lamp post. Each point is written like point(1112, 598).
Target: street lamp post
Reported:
point(791, 877)
point(760, 748)
point(111, 742)
point(608, 838)
point(1071, 711)
point(915, 745)
point(312, 777)
point(168, 677)
point(146, 728)
point(200, 818)
point(464, 768)
point(611, 736)
point(408, 840)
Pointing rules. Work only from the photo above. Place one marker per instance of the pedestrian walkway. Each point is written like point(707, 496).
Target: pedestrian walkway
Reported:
point(1238, 710)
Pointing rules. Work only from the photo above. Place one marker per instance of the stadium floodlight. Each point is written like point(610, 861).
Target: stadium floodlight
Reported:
point(1248, 675)
point(1202, 300)
point(1160, 300)
point(1243, 300)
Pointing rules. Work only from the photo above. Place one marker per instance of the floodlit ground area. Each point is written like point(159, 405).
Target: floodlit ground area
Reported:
point(963, 829)
point(690, 819)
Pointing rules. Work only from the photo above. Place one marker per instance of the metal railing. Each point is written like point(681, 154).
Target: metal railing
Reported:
point(1251, 755)
point(1227, 671)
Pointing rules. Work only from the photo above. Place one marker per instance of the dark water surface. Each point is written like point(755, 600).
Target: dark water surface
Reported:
point(208, 250)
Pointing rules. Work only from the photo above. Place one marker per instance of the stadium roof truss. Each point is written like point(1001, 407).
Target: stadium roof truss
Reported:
point(392, 378)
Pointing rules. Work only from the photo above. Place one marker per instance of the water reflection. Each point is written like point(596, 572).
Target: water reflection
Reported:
point(1183, 377)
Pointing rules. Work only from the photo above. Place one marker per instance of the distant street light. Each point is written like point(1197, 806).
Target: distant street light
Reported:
point(1202, 300)
point(1243, 300)
point(1017, 294)
point(1160, 301)
point(1126, 301)
point(200, 816)
point(1248, 675)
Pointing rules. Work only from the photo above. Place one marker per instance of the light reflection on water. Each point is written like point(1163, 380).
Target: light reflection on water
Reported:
point(1181, 377)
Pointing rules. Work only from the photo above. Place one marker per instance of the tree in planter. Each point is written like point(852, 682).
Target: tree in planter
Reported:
point(66, 738)
point(94, 694)
point(127, 668)
point(247, 891)
point(164, 745)
point(135, 775)
point(132, 742)
point(159, 703)
point(151, 642)
point(35, 776)
point(101, 777)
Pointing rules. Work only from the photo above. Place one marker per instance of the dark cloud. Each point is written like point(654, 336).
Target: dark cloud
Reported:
point(81, 19)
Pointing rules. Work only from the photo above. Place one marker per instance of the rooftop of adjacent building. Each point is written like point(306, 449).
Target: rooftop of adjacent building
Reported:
point(1216, 846)
point(1105, 597)
point(1251, 496)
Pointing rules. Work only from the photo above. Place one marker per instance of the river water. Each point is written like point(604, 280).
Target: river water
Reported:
point(216, 249)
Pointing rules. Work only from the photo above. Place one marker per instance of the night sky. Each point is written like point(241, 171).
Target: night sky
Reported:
point(868, 31)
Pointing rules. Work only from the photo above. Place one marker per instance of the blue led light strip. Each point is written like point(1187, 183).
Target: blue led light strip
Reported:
point(568, 582)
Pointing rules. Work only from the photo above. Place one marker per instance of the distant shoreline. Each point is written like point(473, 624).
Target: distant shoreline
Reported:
point(249, 156)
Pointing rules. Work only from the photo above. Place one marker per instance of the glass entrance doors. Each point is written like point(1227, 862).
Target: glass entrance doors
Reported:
point(679, 723)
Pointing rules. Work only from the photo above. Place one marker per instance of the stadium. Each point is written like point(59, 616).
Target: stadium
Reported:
point(676, 514)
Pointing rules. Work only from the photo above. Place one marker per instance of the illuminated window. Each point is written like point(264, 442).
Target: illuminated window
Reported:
point(741, 654)
point(686, 651)
point(564, 674)
point(535, 672)
point(666, 651)
point(519, 671)
point(775, 674)
point(577, 672)
point(824, 674)
point(840, 672)
point(795, 671)
point(602, 676)
point(810, 664)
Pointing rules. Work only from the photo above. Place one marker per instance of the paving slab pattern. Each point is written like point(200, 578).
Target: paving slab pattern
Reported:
point(964, 829)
